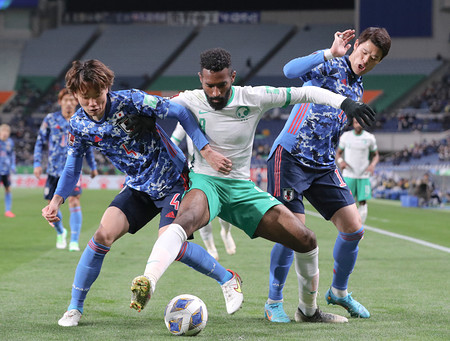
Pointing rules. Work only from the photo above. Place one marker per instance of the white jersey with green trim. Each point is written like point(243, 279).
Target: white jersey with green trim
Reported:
point(231, 130)
point(357, 149)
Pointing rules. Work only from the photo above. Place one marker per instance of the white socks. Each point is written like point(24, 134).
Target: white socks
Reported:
point(339, 293)
point(362, 209)
point(164, 252)
point(206, 233)
point(225, 225)
point(307, 268)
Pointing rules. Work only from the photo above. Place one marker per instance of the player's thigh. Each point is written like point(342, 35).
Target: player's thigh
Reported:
point(194, 210)
point(347, 219)
point(245, 204)
point(74, 201)
point(113, 225)
point(281, 226)
point(329, 193)
point(287, 180)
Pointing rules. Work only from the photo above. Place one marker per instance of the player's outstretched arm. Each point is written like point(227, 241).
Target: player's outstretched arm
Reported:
point(363, 113)
point(216, 160)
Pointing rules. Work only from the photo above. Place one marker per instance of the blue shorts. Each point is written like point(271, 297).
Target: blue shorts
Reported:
point(139, 208)
point(52, 183)
point(289, 181)
point(6, 180)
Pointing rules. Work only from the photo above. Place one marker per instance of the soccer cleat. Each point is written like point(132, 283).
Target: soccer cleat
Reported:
point(70, 318)
point(274, 312)
point(141, 291)
point(9, 214)
point(319, 317)
point(355, 308)
point(228, 241)
point(61, 242)
point(73, 246)
point(232, 291)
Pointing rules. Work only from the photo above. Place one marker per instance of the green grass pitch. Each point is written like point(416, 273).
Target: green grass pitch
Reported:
point(404, 284)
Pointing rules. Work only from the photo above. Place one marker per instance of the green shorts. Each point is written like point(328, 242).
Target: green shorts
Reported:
point(360, 188)
point(240, 202)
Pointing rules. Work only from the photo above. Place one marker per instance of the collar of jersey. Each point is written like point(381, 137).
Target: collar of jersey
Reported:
point(232, 95)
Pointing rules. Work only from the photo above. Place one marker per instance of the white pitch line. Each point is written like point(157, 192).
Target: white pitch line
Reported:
point(395, 235)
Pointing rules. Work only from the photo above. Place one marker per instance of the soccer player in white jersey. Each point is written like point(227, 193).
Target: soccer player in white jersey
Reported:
point(357, 156)
point(229, 115)
point(206, 232)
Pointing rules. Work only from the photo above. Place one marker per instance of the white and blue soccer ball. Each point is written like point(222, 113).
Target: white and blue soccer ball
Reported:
point(186, 315)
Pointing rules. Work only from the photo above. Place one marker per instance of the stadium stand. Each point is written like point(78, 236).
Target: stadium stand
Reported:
point(163, 59)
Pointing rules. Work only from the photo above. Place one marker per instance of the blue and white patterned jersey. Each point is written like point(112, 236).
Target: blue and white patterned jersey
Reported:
point(54, 131)
point(152, 165)
point(7, 157)
point(312, 131)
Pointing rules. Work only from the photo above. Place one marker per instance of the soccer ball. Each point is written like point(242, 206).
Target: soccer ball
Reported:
point(186, 315)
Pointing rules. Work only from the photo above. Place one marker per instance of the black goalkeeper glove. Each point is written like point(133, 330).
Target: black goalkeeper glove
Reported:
point(362, 112)
point(141, 126)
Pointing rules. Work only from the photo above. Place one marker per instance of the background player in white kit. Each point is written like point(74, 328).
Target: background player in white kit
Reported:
point(357, 156)
point(206, 233)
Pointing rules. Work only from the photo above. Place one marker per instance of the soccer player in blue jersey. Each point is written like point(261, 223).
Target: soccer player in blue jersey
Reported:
point(54, 132)
point(7, 165)
point(302, 162)
point(155, 169)
point(229, 115)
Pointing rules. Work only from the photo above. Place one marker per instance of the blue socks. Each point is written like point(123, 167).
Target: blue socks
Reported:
point(200, 260)
point(345, 253)
point(87, 272)
point(8, 201)
point(76, 219)
point(281, 259)
point(59, 225)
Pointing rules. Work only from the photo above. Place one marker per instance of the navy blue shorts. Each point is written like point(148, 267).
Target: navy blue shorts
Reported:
point(289, 181)
point(139, 208)
point(52, 183)
point(6, 180)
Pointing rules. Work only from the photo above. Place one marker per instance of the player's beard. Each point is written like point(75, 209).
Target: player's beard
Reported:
point(219, 102)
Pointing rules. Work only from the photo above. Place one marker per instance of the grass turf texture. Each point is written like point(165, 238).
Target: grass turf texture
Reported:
point(404, 285)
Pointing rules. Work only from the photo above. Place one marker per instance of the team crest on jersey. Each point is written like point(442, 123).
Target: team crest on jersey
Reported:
point(71, 140)
point(288, 194)
point(242, 113)
point(122, 124)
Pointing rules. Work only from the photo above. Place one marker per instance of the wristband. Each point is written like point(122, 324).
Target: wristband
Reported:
point(340, 160)
point(327, 55)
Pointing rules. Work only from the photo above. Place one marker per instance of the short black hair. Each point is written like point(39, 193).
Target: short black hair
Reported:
point(379, 36)
point(215, 59)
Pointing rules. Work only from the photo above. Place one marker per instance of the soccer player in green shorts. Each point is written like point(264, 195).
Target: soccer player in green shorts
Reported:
point(357, 156)
point(229, 115)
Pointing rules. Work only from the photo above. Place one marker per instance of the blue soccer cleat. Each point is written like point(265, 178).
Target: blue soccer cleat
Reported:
point(355, 308)
point(274, 312)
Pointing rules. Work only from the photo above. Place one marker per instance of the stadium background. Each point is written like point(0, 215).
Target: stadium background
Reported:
point(155, 47)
